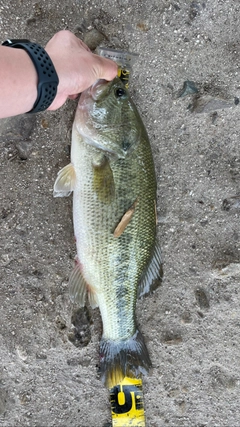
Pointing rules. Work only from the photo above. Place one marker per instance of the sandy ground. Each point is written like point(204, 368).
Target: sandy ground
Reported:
point(49, 349)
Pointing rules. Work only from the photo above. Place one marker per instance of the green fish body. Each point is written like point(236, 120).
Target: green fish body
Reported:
point(113, 181)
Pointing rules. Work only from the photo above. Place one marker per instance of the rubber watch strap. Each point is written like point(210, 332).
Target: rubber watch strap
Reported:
point(47, 76)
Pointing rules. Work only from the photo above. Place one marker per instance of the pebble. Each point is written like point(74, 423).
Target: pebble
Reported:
point(94, 38)
point(207, 104)
point(24, 149)
point(16, 129)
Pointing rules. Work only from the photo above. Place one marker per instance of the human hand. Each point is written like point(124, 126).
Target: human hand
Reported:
point(76, 66)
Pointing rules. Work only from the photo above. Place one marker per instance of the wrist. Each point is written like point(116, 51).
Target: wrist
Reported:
point(29, 81)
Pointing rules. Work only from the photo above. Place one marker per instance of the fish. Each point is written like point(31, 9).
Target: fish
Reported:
point(112, 177)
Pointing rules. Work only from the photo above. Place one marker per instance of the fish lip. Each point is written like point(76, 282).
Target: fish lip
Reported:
point(92, 94)
point(97, 88)
point(83, 98)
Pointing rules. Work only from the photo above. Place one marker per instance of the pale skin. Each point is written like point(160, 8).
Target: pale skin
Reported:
point(76, 66)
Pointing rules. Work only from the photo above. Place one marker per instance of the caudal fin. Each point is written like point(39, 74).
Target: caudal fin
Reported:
point(126, 358)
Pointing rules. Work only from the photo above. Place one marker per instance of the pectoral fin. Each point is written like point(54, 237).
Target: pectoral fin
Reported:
point(65, 181)
point(79, 288)
point(152, 277)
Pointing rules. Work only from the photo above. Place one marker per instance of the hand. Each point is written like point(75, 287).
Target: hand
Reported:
point(76, 66)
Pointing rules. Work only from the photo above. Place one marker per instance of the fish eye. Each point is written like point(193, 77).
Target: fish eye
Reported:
point(120, 93)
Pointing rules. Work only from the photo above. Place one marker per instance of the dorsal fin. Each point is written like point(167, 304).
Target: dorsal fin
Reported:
point(153, 274)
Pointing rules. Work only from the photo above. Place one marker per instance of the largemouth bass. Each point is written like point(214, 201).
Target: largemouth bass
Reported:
point(113, 181)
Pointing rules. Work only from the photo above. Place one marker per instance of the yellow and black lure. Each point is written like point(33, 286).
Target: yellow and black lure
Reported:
point(125, 61)
point(124, 75)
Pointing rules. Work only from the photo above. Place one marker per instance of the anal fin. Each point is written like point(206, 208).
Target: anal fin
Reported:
point(92, 297)
point(152, 276)
point(77, 286)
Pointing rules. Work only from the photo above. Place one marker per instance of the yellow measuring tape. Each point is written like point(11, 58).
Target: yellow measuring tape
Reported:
point(127, 403)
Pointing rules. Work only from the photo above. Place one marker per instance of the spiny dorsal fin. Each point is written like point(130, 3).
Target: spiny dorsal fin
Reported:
point(152, 277)
point(65, 181)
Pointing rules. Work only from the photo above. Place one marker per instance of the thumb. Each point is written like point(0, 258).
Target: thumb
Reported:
point(105, 69)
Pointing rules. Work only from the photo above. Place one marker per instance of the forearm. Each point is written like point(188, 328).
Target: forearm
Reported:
point(18, 82)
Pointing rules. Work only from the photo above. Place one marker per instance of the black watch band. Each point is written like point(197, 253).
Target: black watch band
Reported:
point(47, 76)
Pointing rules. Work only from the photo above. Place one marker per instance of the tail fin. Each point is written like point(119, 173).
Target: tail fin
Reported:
point(119, 359)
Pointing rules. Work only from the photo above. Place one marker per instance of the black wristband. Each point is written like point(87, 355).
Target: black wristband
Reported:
point(47, 76)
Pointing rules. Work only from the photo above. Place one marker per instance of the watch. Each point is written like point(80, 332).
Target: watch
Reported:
point(47, 76)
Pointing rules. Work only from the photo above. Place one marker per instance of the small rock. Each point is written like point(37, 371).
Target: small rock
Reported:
point(207, 104)
point(195, 9)
point(18, 128)
point(186, 317)
point(3, 400)
point(60, 322)
point(45, 123)
point(172, 338)
point(22, 353)
point(24, 398)
point(232, 203)
point(24, 149)
point(143, 26)
point(231, 270)
point(202, 298)
point(80, 333)
point(94, 38)
point(189, 88)
point(41, 356)
point(5, 213)
point(214, 117)
point(74, 361)
point(204, 222)
point(221, 379)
